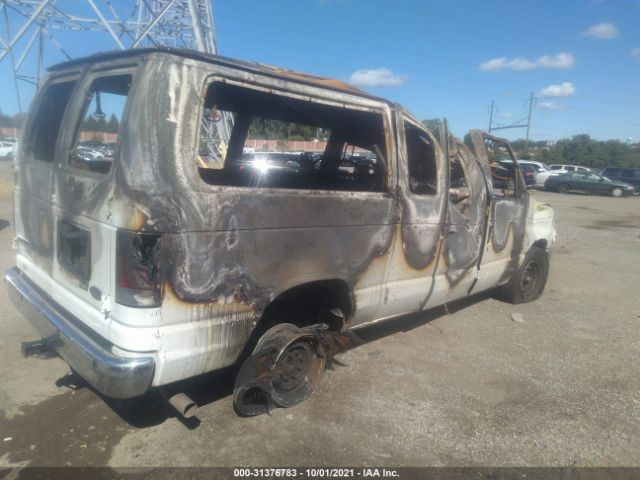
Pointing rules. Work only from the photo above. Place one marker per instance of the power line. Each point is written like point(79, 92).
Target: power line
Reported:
point(518, 124)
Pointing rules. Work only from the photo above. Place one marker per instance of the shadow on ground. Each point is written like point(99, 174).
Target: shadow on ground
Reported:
point(152, 408)
point(75, 427)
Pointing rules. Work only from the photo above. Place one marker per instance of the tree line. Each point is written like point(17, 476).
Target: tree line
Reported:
point(268, 129)
point(578, 150)
point(90, 123)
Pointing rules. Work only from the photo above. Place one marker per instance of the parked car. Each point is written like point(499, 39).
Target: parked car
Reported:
point(106, 149)
point(528, 173)
point(541, 169)
point(587, 183)
point(560, 169)
point(168, 266)
point(89, 154)
point(7, 150)
point(504, 177)
point(630, 176)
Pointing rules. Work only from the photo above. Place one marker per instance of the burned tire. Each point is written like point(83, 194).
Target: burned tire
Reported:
point(563, 188)
point(286, 365)
point(528, 282)
point(282, 371)
point(616, 192)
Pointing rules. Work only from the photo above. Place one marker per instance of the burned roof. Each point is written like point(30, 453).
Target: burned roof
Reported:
point(253, 67)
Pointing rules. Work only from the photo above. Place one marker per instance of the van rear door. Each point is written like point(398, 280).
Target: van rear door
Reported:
point(82, 246)
point(85, 237)
point(34, 193)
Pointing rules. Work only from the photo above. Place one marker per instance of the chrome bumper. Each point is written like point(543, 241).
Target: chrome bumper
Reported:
point(116, 377)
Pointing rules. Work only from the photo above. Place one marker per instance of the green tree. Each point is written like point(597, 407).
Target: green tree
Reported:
point(112, 126)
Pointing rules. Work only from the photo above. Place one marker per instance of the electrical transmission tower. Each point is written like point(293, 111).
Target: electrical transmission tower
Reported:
point(518, 124)
point(32, 27)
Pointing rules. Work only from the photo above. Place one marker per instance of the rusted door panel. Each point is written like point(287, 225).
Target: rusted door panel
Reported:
point(507, 220)
point(416, 248)
point(466, 221)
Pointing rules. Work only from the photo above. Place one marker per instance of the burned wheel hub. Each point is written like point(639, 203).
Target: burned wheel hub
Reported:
point(529, 279)
point(286, 365)
point(292, 368)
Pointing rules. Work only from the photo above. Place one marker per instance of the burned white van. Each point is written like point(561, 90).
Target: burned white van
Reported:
point(238, 208)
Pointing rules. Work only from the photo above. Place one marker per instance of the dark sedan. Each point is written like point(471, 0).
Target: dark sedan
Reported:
point(624, 175)
point(588, 183)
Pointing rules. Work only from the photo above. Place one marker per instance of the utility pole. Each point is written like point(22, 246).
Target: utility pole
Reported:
point(491, 116)
point(518, 124)
point(526, 140)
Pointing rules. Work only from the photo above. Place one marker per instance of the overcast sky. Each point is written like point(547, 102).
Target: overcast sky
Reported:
point(580, 58)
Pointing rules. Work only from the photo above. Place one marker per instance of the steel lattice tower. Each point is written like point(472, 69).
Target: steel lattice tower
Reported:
point(29, 25)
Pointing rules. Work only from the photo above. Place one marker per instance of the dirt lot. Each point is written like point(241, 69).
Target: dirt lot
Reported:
point(468, 387)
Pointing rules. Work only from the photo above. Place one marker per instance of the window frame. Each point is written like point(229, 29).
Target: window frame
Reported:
point(402, 143)
point(80, 106)
point(381, 109)
point(26, 147)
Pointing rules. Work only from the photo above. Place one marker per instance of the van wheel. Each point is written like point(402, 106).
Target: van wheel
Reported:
point(528, 282)
point(616, 192)
point(563, 188)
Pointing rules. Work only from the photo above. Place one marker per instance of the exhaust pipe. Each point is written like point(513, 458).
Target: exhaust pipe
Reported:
point(38, 348)
point(184, 405)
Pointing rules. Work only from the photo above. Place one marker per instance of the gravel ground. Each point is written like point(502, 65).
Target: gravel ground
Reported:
point(466, 387)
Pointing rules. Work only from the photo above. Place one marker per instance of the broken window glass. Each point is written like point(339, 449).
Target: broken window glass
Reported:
point(250, 138)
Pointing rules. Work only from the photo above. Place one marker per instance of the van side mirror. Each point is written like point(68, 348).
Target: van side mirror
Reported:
point(458, 194)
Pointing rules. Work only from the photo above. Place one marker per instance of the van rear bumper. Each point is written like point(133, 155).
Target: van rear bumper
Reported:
point(114, 376)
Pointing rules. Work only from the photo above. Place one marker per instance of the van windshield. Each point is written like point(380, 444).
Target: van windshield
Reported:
point(250, 138)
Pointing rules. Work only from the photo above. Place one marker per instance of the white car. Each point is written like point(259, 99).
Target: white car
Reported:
point(89, 154)
point(542, 171)
point(7, 150)
point(560, 169)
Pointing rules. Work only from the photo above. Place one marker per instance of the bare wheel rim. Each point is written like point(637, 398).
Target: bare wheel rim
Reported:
point(530, 279)
point(292, 368)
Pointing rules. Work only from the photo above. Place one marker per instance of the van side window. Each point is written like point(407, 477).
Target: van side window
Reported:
point(43, 135)
point(250, 138)
point(97, 132)
point(421, 158)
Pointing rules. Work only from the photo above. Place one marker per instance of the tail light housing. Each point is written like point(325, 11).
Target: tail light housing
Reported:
point(138, 269)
